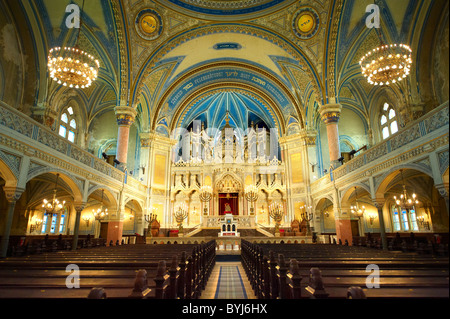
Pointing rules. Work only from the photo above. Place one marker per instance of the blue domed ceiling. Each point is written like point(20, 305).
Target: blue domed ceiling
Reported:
point(242, 109)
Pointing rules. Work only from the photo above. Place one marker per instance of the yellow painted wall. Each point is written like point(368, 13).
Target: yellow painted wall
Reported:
point(296, 168)
point(159, 173)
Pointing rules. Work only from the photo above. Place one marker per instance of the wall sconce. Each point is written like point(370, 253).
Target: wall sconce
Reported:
point(87, 219)
point(372, 217)
point(422, 222)
point(36, 223)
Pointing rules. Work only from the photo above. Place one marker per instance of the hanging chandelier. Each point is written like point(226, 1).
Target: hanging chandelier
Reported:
point(358, 211)
point(72, 67)
point(404, 201)
point(386, 64)
point(54, 206)
point(101, 212)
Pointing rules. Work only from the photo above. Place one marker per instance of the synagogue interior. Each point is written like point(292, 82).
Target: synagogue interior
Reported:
point(167, 146)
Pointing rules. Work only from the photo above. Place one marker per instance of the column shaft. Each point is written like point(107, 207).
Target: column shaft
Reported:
point(76, 227)
point(7, 228)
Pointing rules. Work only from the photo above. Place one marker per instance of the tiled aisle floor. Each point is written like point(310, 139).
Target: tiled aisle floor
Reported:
point(228, 281)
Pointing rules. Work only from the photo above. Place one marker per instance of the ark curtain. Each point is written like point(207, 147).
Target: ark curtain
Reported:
point(230, 198)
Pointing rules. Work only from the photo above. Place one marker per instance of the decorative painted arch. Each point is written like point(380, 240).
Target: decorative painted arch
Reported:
point(321, 200)
point(258, 90)
point(136, 202)
point(261, 99)
point(7, 173)
point(108, 192)
point(257, 31)
point(383, 181)
point(348, 191)
point(74, 184)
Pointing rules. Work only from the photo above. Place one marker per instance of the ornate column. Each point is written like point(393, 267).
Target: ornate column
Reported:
point(125, 117)
point(12, 196)
point(379, 203)
point(78, 208)
point(330, 114)
point(443, 191)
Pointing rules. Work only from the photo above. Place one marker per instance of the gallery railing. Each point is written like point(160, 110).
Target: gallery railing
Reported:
point(389, 150)
point(20, 132)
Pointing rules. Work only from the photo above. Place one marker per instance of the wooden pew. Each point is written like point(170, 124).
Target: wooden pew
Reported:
point(112, 269)
point(402, 274)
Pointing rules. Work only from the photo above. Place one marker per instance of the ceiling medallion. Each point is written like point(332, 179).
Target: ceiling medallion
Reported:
point(148, 24)
point(306, 23)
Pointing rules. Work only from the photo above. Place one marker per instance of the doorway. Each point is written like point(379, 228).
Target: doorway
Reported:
point(103, 230)
point(355, 227)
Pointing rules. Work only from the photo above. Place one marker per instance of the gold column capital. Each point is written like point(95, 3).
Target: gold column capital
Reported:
point(330, 113)
point(125, 115)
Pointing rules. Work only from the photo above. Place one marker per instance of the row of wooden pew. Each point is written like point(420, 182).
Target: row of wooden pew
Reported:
point(40, 246)
point(404, 245)
point(294, 271)
point(120, 271)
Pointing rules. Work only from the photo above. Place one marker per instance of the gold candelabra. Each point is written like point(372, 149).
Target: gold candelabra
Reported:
point(276, 212)
point(307, 217)
point(251, 194)
point(205, 196)
point(180, 215)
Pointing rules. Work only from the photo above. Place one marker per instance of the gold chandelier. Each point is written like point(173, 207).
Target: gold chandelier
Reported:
point(404, 201)
point(101, 212)
point(71, 66)
point(54, 206)
point(386, 64)
point(356, 209)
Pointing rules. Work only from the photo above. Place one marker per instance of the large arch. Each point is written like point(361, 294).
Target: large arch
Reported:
point(73, 183)
point(289, 52)
point(7, 174)
point(230, 75)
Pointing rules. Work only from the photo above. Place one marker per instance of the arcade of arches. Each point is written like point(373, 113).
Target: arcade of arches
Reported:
point(214, 110)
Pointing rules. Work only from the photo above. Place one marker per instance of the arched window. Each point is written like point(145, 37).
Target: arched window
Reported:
point(404, 219)
point(388, 121)
point(68, 125)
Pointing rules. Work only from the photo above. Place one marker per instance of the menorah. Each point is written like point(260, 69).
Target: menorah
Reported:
point(276, 212)
point(150, 219)
point(307, 217)
point(251, 194)
point(205, 196)
point(180, 215)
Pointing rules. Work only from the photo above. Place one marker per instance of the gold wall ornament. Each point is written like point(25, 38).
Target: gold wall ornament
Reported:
point(306, 23)
point(148, 24)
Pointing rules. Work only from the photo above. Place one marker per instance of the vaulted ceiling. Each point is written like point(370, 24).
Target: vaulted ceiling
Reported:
point(250, 54)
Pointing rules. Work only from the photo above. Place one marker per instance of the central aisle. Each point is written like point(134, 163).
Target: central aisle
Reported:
point(228, 281)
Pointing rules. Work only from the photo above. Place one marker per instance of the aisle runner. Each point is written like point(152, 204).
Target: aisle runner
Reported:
point(230, 284)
